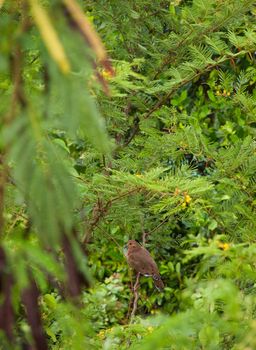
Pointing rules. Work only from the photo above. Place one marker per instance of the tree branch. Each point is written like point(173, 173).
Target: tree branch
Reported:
point(100, 210)
point(183, 82)
point(136, 297)
point(144, 233)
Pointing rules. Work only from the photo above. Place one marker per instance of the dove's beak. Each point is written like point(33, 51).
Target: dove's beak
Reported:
point(125, 249)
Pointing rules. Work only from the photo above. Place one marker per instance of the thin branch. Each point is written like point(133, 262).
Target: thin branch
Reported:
point(167, 59)
point(166, 97)
point(134, 132)
point(125, 194)
point(100, 210)
point(17, 217)
point(109, 236)
point(136, 297)
point(158, 226)
point(185, 41)
point(144, 233)
point(131, 299)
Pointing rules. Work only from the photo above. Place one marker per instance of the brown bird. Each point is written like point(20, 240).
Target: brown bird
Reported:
point(142, 262)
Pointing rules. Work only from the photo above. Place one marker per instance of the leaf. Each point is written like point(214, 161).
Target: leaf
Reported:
point(91, 36)
point(50, 36)
point(50, 301)
point(177, 269)
point(62, 144)
point(51, 334)
point(211, 96)
point(213, 224)
point(209, 337)
point(74, 109)
point(42, 177)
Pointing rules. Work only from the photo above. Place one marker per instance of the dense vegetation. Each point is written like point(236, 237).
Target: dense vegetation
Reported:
point(155, 142)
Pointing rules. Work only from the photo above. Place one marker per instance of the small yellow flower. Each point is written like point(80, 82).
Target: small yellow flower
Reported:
point(101, 334)
point(106, 74)
point(223, 246)
point(138, 175)
point(228, 93)
point(224, 92)
point(187, 198)
point(217, 93)
point(150, 329)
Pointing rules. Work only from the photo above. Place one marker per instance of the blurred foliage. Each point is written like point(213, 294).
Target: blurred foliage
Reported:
point(180, 115)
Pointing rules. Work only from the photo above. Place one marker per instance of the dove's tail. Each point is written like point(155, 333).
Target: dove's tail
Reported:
point(158, 282)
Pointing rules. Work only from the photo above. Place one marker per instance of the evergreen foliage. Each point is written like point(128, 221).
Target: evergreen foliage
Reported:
point(163, 151)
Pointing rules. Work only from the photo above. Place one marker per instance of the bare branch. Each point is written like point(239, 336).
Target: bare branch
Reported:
point(144, 233)
point(136, 297)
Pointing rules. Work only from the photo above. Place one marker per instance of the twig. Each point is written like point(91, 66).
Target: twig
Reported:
point(100, 210)
point(131, 299)
point(108, 235)
point(144, 233)
point(186, 41)
point(158, 226)
point(162, 100)
point(136, 297)
point(135, 130)
point(18, 216)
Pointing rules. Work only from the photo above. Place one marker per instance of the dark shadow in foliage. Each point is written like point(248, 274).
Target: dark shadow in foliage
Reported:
point(6, 309)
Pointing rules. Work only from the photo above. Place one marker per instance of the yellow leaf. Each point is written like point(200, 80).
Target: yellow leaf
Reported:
point(49, 36)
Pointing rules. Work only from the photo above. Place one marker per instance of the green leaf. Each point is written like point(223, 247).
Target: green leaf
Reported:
point(212, 225)
point(209, 337)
